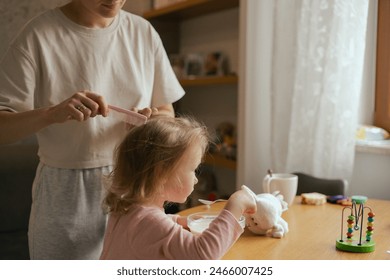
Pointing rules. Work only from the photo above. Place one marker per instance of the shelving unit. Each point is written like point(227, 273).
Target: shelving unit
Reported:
point(218, 160)
point(167, 22)
point(206, 81)
point(190, 8)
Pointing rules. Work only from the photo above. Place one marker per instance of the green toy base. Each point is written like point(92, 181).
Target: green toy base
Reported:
point(351, 245)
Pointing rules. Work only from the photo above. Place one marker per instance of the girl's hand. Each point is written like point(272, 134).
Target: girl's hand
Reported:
point(241, 202)
point(147, 112)
point(182, 220)
point(164, 110)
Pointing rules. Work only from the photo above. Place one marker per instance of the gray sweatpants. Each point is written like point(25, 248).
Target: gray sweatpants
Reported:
point(67, 221)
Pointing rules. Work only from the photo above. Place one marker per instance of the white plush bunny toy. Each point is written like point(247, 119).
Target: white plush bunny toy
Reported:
point(268, 218)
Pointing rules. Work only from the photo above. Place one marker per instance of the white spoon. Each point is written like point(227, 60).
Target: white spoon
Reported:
point(209, 202)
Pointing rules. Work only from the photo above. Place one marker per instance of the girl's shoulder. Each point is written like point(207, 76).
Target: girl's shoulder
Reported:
point(150, 221)
point(147, 213)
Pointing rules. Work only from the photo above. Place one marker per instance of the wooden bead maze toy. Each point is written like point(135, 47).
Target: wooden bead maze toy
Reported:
point(349, 242)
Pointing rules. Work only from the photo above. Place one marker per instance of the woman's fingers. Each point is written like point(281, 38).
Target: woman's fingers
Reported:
point(82, 106)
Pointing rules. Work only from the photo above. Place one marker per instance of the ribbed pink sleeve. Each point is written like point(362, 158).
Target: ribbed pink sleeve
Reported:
point(148, 233)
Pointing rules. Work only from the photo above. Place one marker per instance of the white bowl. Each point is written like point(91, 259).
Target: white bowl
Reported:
point(200, 221)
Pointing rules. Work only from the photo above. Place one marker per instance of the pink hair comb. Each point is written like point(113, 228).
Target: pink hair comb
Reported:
point(129, 116)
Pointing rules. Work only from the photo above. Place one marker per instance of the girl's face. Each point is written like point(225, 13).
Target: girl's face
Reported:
point(181, 184)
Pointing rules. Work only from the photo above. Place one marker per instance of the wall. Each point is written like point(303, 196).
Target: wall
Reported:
point(13, 16)
point(371, 176)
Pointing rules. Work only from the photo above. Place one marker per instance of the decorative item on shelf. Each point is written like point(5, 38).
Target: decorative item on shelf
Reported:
point(216, 64)
point(360, 243)
point(198, 65)
point(193, 65)
point(158, 4)
point(177, 63)
point(226, 143)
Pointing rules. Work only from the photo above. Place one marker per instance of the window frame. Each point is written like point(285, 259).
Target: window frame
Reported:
point(382, 80)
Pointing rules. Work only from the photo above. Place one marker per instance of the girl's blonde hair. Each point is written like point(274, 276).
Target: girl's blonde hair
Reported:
point(148, 156)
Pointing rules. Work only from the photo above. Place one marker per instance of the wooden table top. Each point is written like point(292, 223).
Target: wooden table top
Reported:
point(313, 231)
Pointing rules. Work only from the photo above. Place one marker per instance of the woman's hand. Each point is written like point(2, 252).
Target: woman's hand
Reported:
point(80, 107)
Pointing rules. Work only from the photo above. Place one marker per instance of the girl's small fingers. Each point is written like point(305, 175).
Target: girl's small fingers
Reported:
point(250, 211)
point(147, 112)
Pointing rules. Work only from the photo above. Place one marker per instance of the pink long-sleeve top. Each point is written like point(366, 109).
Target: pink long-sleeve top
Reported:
point(147, 233)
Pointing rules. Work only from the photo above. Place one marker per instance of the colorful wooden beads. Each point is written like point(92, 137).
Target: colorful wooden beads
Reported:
point(350, 222)
point(370, 226)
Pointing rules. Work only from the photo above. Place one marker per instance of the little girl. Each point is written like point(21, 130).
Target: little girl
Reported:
point(155, 164)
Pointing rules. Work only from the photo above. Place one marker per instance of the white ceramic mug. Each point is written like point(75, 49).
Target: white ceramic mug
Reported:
point(285, 183)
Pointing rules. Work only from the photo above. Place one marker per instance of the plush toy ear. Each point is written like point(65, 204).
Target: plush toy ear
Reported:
point(245, 188)
point(284, 205)
point(279, 196)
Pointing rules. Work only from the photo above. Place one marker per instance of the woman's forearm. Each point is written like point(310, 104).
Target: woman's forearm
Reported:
point(16, 126)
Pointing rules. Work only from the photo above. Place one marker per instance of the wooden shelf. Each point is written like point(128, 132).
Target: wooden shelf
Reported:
point(206, 81)
point(190, 8)
point(219, 160)
point(166, 20)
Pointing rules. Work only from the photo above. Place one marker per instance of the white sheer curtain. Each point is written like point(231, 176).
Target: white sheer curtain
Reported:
point(311, 91)
point(315, 110)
